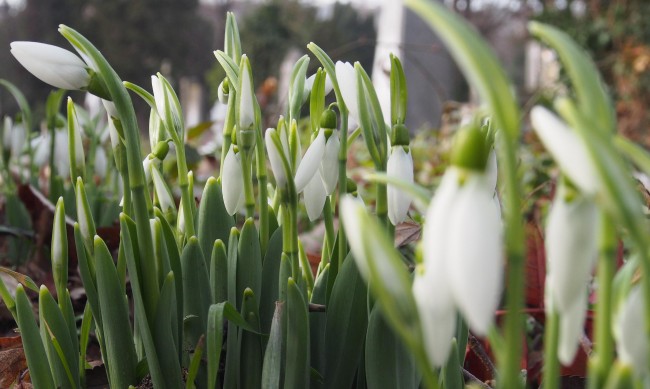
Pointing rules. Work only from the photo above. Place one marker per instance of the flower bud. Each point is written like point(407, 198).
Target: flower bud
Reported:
point(310, 162)
point(232, 182)
point(52, 65)
point(400, 166)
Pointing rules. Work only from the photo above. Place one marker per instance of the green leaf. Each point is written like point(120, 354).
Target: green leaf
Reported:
point(175, 264)
point(230, 67)
point(371, 114)
point(196, 292)
point(195, 363)
point(451, 374)
point(87, 273)
point(215, 342)
point(232, 43)
point(165, 338)
point(317, 322)
point(214, 221)
point(219, 272)
point(120, 350)
point(317, 100)
point(143, 93)
point(84, 338)
point(249, 263)
point(592, 95)
point(398, 91)
point(327, 63)
point(297, 358)
point(35, 354)
point(388, 362)
point(250, 375)
point(270, 279)
point(231, 375)
point(139, 307)
point(22, 102)
point(347, 317)
point(272, 365)
point(23, 279)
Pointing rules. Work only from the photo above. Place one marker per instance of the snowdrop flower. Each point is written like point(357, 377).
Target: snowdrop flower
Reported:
point(7, 128)
point(18, 139)
point(328, 168)
point(101, 162)
point(165, 198)
point(61, 153)
point(232, 181)
point(147, 163)
point(310, 161)
point(42, 149)
point(462, 247)
point(631, 345)
point(572, 322)
point(347, 80)
point(309, 84)
point(247, 96)
point(400, 165)
point(567, 149)
point(275, 157)
point(52, 65)
point(315, 197)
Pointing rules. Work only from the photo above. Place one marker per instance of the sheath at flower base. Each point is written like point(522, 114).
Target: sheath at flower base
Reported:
point(400, 166)
point(232, 182)
point(52, 65)
point(632, 345)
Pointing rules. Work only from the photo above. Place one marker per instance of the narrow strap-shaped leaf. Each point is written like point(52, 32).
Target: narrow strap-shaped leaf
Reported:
point(230, 67)
point(452, 374)
point(214, 221)
point(84, 338)
point(317, 321)
point(195, 363)
point(219, 272)
point(367, 89)
point(37, 363)
point(398, 91)
point(272, 365)
point(215, 342)
point(231, 375)
point(249, 262)
point(23, 279)
point(270, 276)
point(8, 299)
point(87, 274)
point(327, 63)
point(141, 318)
point(297, 358)
point(55, 336)
point(250, 374)
point(196, 292)
point(346, 318)
point(165, 340)
point(297, 87)
point(117, 327)
point(143, 93)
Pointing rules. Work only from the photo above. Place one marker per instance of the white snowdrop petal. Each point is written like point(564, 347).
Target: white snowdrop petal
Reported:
point(434, 233)
point(61, 159)
point(566, 148)
point(571, 330)
point(232, 182)
point(42, 151)
point(347, 80)
point(475, 254)
point(437, 315)
point(101, 162)
point(310, 162)
point(571, 250)
point(51, 64)
point(246, 102)
point(162, 191)
point(18, 139)
point(314, 197)
point(275, 158)
point(631, 345)
point(400, 165)
point(328, 169)
point(158, 95)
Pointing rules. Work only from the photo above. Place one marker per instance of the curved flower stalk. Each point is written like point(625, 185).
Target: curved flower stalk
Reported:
point(462, 248)
point(58, 67)
point(632, 347)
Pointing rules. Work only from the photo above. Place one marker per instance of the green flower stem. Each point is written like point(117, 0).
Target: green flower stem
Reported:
point(601, 361)
point(328, 218)
point(381, 206)
point(124, 107)
point(515, 251)
point(262, 190)
point(249, 194)
point(290, 234)
point(227, 128)
point(343, 176)
point(551, 376)
point(429, 375)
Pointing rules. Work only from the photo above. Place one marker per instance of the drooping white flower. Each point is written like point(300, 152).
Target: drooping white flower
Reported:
point(314, 197)
point(61, 159)
point(42, 149)
point(571, 328)
point(567, 149)
point(346, 77)
point(232, 182)
point(165, 198)
point(474, 253)
point(247, 96)
point(114, 135)
point(632, 345)
point(400, 166)
point(52, 65)
point(275, 157)
point(18, 139)
point(101, 162)
point(328, 169)
point(146, 166)
point(310, 162)
point(571, 250)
